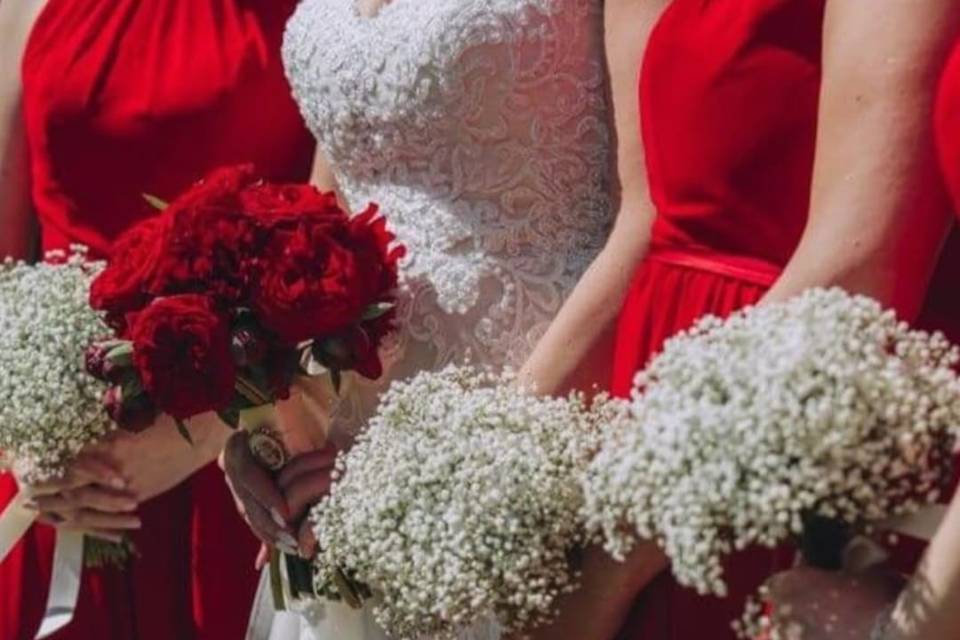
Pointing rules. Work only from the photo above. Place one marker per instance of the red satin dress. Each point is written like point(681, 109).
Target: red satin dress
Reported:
point(123, 98)
point(728, 100)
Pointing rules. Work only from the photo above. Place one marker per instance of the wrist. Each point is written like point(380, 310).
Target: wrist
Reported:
point(209, 434)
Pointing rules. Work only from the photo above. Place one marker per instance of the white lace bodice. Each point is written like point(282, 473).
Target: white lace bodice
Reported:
point(480, 127)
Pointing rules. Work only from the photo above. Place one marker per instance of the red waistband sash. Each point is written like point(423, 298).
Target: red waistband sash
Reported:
point(747, 268)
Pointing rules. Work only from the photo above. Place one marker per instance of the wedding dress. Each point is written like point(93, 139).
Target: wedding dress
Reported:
point(480, 128)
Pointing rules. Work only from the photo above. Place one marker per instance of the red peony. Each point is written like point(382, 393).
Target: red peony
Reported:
point(122, 286)
point(211, 240)
point(320, 273)
point(278, 203)
point(182, 353)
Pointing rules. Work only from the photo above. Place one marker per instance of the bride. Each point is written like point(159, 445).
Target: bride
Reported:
point(480, 128)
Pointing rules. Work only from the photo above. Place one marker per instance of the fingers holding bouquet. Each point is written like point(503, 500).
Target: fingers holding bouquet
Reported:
point(305, 481)
point(259, 499)
point(90, 496)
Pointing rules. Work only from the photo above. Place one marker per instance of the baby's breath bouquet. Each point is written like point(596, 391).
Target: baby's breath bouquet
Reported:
point(460, 503)
point(50, 407)
point(820, 413)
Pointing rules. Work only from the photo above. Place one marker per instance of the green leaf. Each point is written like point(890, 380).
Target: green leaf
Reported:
point(99, 554)
point(131, 386)
point(155, 202)
point(376, 310)
point(276, 580)
point(231, 416)
point(182, 428)
point(122, 354)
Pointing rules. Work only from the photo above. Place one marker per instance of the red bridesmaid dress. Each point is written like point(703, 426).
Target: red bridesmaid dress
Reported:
point(124, 98)
point(728, 100)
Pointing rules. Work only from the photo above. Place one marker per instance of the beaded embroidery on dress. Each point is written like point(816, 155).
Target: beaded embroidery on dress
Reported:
point(480, 128)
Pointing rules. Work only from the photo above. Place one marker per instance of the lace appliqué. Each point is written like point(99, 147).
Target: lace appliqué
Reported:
point(479, 126)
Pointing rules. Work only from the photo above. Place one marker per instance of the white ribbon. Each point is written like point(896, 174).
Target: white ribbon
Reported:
point(15, 521)
point(64, 583)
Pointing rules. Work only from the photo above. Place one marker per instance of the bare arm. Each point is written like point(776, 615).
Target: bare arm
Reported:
point(878, 215)
point(17, 220)
point(581, 335)
point(574, 350)
point(927, 608)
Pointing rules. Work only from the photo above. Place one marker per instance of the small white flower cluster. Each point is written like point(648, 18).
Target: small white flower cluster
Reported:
point(822, 405)
point(460, 502)
point(50, 408)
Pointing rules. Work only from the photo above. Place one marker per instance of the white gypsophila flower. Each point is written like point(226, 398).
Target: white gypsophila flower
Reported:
point(50, 408)
point(460, 501)
point(821, 405)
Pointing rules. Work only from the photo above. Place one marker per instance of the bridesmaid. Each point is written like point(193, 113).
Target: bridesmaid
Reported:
point(785, 144)
point(101, 102)
point(927, 606)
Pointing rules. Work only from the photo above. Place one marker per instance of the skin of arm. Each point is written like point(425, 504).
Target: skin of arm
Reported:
point(17, 221)
point(575, 350)
point(878, 213)
point(927, 608)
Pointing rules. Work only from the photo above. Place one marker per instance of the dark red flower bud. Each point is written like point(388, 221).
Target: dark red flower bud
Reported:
point(133, 413)
point(247, 347)
point(94, 359)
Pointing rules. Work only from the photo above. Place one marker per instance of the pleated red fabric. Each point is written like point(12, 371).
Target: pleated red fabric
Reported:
point(728, 100)
point(121, 99)
point(729, 96)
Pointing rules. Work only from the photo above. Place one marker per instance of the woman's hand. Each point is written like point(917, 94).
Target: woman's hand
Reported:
point(833, 605)
point(275, 508)
point(159, 458)
point(104, 485)
point(92, 497)
point(304, 481)
point(258, 498)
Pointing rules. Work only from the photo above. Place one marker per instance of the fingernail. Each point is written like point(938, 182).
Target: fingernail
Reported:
point(118, 483)
point(307, 553)
point(278, 518)
point(31, 505)
point(130, 505)
point(286, 540)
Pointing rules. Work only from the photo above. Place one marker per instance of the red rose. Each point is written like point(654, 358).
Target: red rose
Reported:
point(122, 286)
point(319, 274)
point(276, 203)
point(219, 189)
point(182, 353)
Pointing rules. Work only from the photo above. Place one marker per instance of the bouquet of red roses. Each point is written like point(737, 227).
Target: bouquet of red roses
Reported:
point(233, 290)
